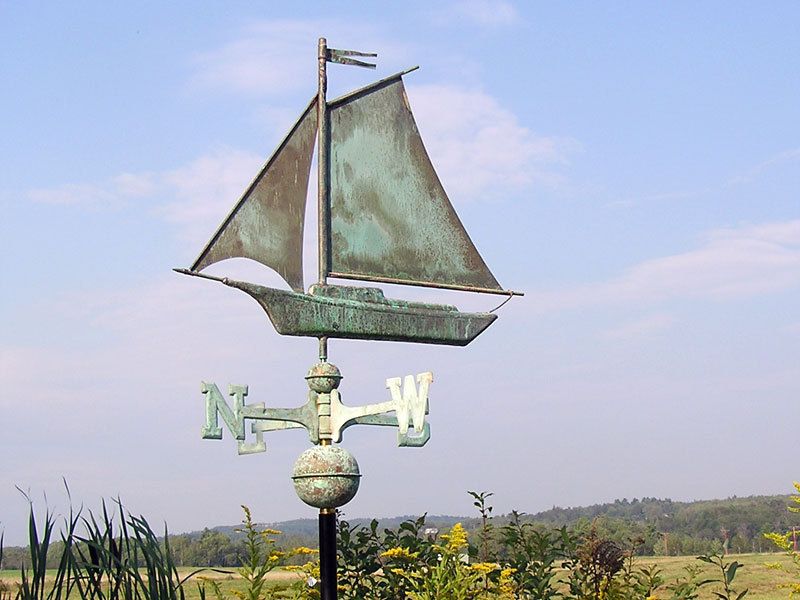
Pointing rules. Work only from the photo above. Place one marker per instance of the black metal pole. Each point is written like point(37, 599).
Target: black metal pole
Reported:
point(327, 553)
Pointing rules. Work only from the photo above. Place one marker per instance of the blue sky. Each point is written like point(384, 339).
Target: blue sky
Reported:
point(633, 167)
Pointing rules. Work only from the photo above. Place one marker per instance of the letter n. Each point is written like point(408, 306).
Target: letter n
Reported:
point(216, 405)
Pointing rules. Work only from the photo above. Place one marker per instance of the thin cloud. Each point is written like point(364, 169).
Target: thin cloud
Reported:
point(265, 58)
point(643, 327)
point(480, 148)
point(652, 199)
point(112, 193)
point(479, 13)
point(194, 197)
point(276, 58)
point(72, 194)
point(732, 263)
point(782, 158)
point(206, 189)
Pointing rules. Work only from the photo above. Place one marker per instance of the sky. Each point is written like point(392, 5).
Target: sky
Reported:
point(633, 167)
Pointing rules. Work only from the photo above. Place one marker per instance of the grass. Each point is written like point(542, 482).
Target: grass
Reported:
point(754, 575)
point(228, 582)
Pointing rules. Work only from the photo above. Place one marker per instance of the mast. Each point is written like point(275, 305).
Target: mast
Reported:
point(323, 199)
point(325, 55)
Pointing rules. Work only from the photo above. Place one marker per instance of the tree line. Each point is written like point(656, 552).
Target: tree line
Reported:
point(649, 526)
point(667, 527)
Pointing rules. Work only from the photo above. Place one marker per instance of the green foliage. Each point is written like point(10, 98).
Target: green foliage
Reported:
point(32, 579)
point(364, 552)
point(679, 528)
point(535, 556)
point(484, 551)
point(527, 561)
point(4, 592)
point(259, 559)
point(98, 564)
point(725, 577)
point(594, 566)
point(359, 549)
point(648, 579)
point(688, 586)
point(785, 542)
point(119, 557)
point(449, 577)
point(210, 548)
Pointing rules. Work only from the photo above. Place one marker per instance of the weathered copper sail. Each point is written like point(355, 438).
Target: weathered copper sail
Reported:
point(391, 219)
point(266, 224)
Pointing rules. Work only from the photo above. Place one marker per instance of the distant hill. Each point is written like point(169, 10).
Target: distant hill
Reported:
point(664, 526)
point(659, 526)
point(650, 526)
point(702, 517)
point(308, 527)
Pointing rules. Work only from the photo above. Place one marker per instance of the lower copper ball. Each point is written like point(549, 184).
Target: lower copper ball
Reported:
point(326, 476)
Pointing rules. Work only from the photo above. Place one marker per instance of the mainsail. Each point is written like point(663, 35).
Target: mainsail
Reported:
point(266, 224)
point(391, 219)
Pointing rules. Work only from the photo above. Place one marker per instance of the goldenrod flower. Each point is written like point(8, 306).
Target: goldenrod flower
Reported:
point(506, 583)
point(293, 568)
point(400, 553)
point(456, 539)
point(484, 567)
point(780, 540)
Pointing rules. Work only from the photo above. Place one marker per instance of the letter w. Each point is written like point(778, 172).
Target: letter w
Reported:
point(412, 404)
point(216, 405)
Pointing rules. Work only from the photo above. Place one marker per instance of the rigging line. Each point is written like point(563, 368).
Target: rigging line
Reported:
point(502, 304)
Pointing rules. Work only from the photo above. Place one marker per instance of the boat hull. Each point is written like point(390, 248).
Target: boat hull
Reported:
point(354, 313)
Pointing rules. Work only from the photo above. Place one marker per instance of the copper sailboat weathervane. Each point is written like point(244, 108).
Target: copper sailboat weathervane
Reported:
point(383, 217)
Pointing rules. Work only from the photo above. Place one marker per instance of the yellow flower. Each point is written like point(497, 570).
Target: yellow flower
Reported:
point(304, 550)
point(484, 567)
point(407, 575)
point(293, 568)
point(456, 539)
point(506, 583)
point(399, 553)
point(780, 540)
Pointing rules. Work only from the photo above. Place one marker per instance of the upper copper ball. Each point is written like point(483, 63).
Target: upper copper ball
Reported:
point(323, 377)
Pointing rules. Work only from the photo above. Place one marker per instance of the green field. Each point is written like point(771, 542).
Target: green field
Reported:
point(754, 575)
point(226, 582)
point(762, 582)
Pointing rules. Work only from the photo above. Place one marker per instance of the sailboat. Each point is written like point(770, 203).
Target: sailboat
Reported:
point(383, 217)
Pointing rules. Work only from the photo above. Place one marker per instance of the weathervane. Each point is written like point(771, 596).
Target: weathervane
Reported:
point(323, 415)
point(384, 217)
